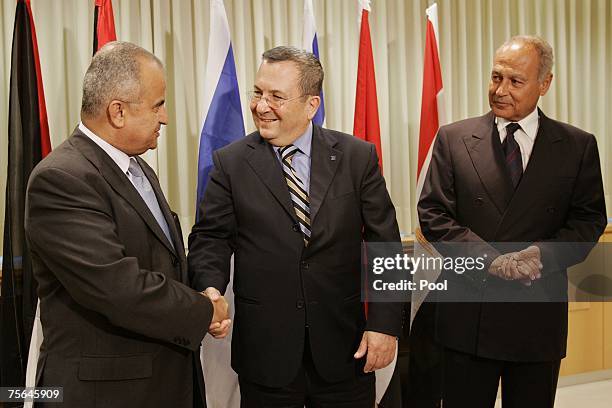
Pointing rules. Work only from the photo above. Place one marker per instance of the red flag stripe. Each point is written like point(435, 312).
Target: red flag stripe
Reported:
point(366, 125)
point(45, 140)
point(105, 30)
point(432, 85)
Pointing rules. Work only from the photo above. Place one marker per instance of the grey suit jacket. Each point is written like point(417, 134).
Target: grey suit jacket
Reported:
point(120, 326)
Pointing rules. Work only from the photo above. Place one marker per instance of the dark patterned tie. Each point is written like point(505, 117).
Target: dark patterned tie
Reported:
point(297, 191)
point(512, 151)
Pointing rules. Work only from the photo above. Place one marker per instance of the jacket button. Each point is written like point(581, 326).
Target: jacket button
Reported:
point(551, 210)
point(304, 265)
point(479, 202)
point(296, 227)
point(299, 304)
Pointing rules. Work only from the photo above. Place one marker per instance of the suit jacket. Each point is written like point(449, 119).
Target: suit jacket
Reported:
point(280, 286)
point(468, 197)
point(120, 326)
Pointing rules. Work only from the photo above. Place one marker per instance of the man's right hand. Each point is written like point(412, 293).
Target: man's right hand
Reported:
point(524, 266)
point(220, 324)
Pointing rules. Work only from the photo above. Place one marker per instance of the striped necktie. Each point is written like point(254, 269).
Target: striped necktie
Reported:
point(513, 154)
point(297, 191)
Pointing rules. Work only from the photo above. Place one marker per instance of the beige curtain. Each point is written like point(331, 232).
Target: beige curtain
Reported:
point(470, 30)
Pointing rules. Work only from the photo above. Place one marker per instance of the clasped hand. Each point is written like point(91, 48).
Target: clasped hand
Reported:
point(220, 324)
point(524, 266)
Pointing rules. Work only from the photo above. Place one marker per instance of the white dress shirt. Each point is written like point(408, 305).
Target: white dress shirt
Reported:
point(525, 136)
point(120, 158)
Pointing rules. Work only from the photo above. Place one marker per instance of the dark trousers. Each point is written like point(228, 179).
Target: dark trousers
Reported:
point(471, 381)
point(308, 389)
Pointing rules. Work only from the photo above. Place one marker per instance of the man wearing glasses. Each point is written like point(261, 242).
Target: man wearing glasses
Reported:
point(293, 202)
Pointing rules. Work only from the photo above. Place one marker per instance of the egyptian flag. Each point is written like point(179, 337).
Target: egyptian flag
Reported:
point(104, 24)
point(366, 125)
point(28, 143)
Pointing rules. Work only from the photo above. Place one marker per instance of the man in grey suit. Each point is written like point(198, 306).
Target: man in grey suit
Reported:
point(513, 176)
point(293, 202)
point(121, 327)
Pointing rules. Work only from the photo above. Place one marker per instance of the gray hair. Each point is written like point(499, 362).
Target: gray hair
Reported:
point(114, 73)
point(542, 47)
point(311, 71)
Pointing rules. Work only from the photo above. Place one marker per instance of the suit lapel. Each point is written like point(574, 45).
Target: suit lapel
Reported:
point(485, 151)
point(323, 165)
point(119, 182)
point(540, 168)
point(262, 159)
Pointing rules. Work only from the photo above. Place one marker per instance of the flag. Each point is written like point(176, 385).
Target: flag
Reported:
point(223, 121)
point(28, 143)
point(432, 116)
point(310, 43)
point(223, 124)
point(432, 97)
point(366, 125)
point(104, 24)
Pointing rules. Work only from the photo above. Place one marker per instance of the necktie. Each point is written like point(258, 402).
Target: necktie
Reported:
point(513, 154)
point(299, 196)
point(143, 186)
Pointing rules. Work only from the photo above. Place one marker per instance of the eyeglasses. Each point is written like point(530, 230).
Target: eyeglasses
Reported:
point(273, 101)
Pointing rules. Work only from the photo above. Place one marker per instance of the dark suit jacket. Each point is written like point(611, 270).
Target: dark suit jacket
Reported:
point(468, 197)
point(280, 286)
point(120, 326)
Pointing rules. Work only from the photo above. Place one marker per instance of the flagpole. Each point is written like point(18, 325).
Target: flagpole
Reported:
point(432, 116)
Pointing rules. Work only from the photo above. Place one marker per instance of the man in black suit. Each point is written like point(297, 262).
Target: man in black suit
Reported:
point(512, 176)
point(293, 202)
point(121, 327)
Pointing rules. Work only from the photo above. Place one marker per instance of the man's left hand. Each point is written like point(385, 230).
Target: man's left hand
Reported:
point(380, 350)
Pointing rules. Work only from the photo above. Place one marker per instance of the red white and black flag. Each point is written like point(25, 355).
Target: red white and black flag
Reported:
point(28, 143)
point(104, 24)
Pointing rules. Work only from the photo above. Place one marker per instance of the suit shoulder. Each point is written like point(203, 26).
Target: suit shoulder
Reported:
point(570, 130)
point(65, 157)
point(238, 145)
point(463, 126)
point(345, 140)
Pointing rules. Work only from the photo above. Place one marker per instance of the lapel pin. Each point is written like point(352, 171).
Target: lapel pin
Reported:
point(332, 158)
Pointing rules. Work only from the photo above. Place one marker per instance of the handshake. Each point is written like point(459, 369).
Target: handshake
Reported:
point(524, 266)
point(220, 324)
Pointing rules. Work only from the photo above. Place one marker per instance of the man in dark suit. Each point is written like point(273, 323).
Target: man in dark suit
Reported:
point(512, 176)
point(293, 202)
point(121, 327)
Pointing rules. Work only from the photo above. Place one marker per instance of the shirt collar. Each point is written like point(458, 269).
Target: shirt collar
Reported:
point(120, 158)
point(304, 142)
point(529, 124)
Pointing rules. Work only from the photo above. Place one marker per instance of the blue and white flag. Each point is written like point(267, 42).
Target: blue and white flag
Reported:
point(310, 43)
point(223, 124)
point(223, 121)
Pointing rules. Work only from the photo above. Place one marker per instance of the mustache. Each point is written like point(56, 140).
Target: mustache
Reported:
point(500, 100)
